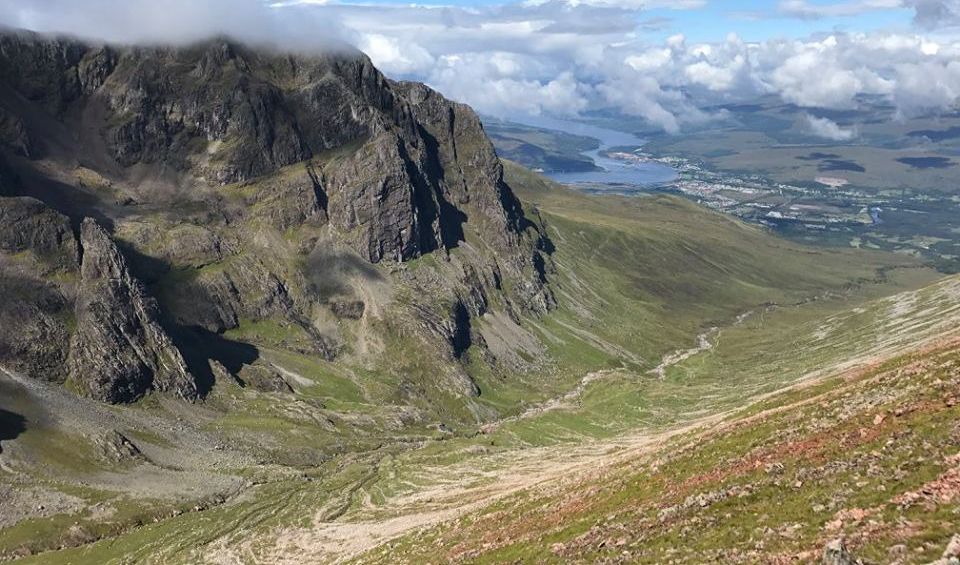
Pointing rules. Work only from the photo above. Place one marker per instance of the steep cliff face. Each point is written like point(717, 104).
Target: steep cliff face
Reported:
point(119, 351)
point(412, 166)
point(224, 172)
point(38, 257)
point(470, 174)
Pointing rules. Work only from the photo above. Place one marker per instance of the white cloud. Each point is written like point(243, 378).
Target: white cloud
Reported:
point(926, 85)
point(387, 53)
point(649, 60)
point(641, 95)
point(828, 129)
point(494, 86)
point(814, 78)
point(718, 78)
point(176, 21)
point(804, 9)
point(933, 14)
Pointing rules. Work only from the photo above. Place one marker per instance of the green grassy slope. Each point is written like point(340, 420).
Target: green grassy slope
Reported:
point(870, 455)
point(826, 434)
point(640, 278)
point(636, 279)
point(651, 270)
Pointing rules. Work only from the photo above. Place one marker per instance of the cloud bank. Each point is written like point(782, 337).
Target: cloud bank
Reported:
point(176, 21)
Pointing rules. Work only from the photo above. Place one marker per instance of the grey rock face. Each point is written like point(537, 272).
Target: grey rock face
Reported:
point(375, 195)
point(28, 224)
point(34, 312)
point(33, 326)
point(401, 168)
point(218, 300)
point(14, 135)
point(263, 379)
point(472, 175)
point(259, 111)
point(116, 447)
point(119, 351)
point(293, 199)
point(215, 149)
point(43, 72)
point(349, 309)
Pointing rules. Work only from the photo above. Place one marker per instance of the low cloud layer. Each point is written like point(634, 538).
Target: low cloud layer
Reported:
point(569, 56)
point(828, 129)
point(176, 21)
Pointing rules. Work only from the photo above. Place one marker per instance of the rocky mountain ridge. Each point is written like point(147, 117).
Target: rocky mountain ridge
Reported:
point(122, 351)
point(241, 186)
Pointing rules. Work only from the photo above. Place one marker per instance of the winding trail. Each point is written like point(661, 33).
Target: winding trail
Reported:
point(459, 489)
point(681, 355)
point(564, 401)
point(508, 473)
point(704, 343)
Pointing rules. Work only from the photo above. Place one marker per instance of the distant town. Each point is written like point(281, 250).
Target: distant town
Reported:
point(827, 208)
point(755, 198)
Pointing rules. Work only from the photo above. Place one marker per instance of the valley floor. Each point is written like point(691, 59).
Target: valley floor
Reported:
point(507, 505)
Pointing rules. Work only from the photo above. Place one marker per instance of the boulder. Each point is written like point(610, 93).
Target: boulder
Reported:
point(117, 448)
point(263, 379)
point(836, 553)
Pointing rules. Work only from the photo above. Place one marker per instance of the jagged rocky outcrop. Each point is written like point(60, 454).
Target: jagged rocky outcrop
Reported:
point(38, 256)
point(471, 174)
point(120, 351)
point(13, 134)
point(34, 328)
point(115, 447)
point(412, 166)
point(224, 169)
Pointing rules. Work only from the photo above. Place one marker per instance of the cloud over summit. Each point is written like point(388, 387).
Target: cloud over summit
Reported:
point(175, 21)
